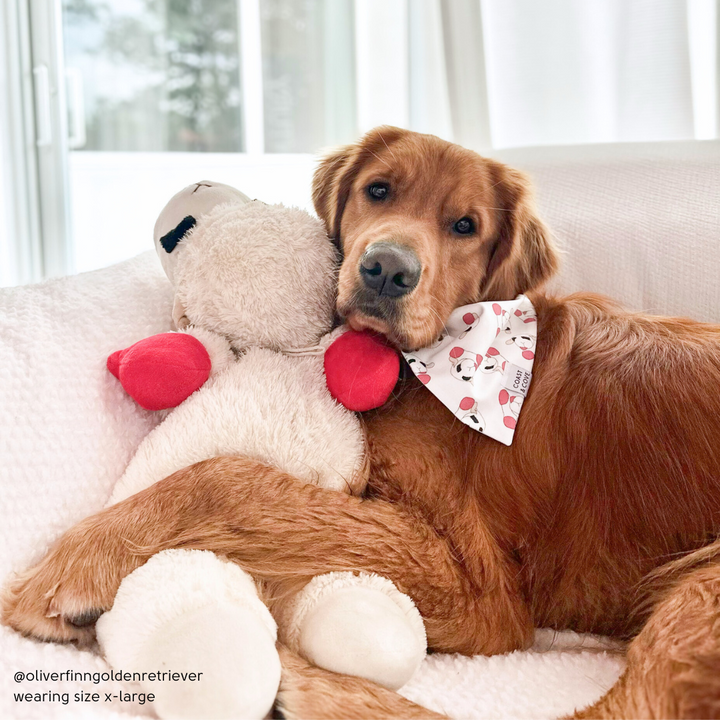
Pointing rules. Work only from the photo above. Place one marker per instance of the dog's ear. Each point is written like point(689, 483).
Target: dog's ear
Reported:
point(328, 178)
point(523, 255)
point(337, 171)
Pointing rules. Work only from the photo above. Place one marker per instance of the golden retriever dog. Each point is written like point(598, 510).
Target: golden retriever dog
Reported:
point(602, 516)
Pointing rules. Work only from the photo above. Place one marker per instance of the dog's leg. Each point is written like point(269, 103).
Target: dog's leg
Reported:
point(674, 662)
point(281, 531)
point(61, 598)
point(310, 692)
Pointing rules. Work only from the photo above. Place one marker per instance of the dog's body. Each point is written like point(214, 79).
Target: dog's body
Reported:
point(614, 470)
point(602, 516)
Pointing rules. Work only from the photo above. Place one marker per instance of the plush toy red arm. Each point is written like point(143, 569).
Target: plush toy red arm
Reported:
point(161, 371)
point(361, 370)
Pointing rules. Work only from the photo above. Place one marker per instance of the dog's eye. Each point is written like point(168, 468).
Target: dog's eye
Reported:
point(464, 226)
point(378, 191)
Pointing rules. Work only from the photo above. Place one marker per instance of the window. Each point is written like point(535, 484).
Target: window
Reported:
point(130, 100)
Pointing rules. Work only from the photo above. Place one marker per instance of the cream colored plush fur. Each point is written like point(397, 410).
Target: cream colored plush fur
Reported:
point(255, 284)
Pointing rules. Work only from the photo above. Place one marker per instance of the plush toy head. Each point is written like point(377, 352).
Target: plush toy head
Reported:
point(181, 213)
point(260, 275)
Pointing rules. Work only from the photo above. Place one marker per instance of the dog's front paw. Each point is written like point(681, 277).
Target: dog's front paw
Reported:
point(61, 598)
point(42, 604)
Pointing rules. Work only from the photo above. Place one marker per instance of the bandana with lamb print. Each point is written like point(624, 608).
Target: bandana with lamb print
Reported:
point(481, 366)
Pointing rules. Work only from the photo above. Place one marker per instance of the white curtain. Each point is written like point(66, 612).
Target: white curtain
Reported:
point(9, 272)
point(583, 71)
point(508, 73)
point(8, 264)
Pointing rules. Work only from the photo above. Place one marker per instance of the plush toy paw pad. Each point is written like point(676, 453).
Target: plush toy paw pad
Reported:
point(361, 370)
point(362, 632)
point(232, 655)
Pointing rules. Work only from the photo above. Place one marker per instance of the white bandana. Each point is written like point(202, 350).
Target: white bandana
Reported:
point(481, 366)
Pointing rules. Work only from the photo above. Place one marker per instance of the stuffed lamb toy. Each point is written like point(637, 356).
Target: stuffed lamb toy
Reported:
point(254, 306)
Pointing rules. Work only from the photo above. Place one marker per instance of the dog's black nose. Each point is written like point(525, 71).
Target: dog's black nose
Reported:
point(391, 270)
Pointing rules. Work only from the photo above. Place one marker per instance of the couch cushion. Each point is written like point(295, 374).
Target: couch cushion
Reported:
point(638, 222)
point(67, 428)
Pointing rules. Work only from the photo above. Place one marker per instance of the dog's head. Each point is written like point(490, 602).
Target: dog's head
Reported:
point(426, 226)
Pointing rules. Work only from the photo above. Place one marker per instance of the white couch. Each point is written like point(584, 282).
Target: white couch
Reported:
point(640, 222)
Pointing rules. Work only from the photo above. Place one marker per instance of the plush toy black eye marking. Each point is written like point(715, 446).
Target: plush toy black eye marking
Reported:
point(170, 241)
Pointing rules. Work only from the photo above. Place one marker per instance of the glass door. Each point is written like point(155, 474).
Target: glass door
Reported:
point(162, 93)
point(121, 103)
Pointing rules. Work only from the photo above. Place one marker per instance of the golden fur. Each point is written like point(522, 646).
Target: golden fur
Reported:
point(601, 517)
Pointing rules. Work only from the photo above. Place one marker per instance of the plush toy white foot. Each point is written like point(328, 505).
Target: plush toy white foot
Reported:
point(359, 625)
point(187, 611)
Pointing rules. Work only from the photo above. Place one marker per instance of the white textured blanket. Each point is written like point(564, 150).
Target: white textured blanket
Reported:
point(67, 431)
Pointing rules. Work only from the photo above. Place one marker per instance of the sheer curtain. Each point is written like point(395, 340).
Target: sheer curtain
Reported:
point(525, 73)
point(582, 71)
point(20, 244)
point(7, 259)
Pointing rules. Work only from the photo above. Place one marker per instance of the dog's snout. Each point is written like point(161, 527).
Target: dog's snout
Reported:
point(390, 269)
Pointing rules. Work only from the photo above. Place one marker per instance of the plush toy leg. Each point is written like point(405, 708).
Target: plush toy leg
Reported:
point(359, 625)
point(187, 611)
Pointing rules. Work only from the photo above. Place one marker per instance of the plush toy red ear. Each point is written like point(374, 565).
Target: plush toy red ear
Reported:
point(161, 371)
point(361, 370)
